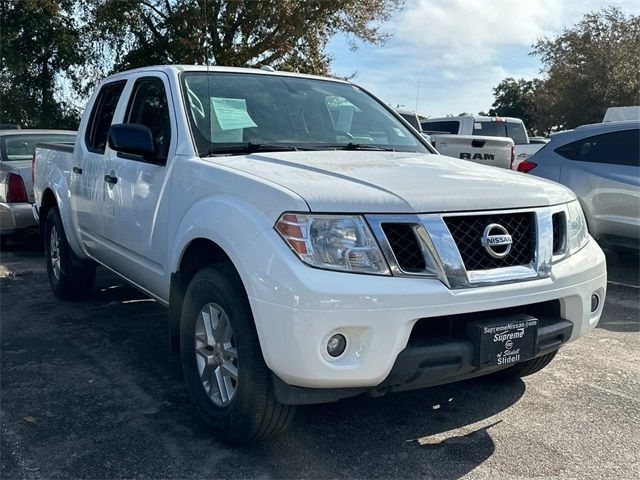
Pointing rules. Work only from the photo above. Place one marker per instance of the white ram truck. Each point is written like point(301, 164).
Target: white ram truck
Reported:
point(308, 244)
point(485, 150)
point(484, 127)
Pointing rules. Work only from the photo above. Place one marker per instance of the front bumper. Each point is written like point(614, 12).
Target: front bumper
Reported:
point(15, 218)
point(297, 308)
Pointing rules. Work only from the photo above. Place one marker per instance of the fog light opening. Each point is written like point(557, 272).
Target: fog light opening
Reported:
point(595, 302)
point(336, 345)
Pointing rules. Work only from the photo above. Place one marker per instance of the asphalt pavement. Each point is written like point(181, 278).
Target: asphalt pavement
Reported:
point(90, 390)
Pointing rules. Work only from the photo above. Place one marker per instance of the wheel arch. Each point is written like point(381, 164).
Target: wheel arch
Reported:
point(199, 253)
point(49, 201)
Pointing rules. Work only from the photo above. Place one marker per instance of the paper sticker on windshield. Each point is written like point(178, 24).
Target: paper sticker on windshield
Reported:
point(477, 126)
point(231, 113)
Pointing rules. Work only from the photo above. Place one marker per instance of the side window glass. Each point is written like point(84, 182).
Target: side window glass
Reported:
point(617, 148)
point(517, 133)
point(148, 106)
point(451, 127)
point(570, 150)
point(102, 115)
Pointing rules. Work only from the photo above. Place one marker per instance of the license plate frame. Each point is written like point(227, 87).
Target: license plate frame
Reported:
point(504, 341)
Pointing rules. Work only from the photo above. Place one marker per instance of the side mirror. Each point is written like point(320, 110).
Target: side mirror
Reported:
point(132, 138)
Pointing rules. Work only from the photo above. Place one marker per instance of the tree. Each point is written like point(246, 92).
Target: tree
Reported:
point(589, 67)
point(287, 34)
point(40, 44)
point(516, 98)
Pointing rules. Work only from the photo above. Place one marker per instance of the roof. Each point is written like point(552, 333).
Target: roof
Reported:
point(597, 127)
point(476, 118)
point(223, 69)
point(32, 131)
point(614, 114)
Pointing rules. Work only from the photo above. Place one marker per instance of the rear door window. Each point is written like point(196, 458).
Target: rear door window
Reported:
point(451, 127)
point(148, 106)
point(516, 131)
point(617, 148)
point(102, 115)
point(570, 150)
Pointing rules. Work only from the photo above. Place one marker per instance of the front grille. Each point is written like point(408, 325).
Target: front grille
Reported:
point(559, 226)
point(405, 246)
point(467, 232)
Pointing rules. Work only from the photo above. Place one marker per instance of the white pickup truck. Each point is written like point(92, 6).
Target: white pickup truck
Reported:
point(488, 127)
point(306, 256)
point(485, 150)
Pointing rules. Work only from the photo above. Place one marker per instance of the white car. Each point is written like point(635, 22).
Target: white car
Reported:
point(306, 251)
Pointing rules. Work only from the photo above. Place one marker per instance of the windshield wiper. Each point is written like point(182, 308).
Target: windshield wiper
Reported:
point(357, 146)
point(249, 147)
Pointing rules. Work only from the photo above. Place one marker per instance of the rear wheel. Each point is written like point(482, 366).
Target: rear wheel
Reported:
point(227, 378)
point(525, 368)
point(69, 277)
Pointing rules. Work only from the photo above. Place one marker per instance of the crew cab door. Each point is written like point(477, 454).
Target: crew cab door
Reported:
point(138, 188)
point(87, 185)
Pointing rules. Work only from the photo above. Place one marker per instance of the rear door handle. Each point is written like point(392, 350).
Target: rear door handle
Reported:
point(110, 179)
point(77, 170)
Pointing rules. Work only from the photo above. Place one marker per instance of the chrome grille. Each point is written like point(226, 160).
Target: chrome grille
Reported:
point(405, 246)
point(467, 232)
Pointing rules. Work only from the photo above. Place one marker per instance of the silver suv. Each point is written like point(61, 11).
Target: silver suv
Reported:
point(601, 164)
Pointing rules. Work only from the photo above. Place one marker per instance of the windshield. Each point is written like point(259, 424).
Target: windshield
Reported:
point(23, 146)
point(231, 110)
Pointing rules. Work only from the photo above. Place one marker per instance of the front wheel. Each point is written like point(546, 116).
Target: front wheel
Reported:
point(68, 277)
point(225, 373)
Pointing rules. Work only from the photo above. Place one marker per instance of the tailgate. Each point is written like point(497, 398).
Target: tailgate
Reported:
point(492, 151)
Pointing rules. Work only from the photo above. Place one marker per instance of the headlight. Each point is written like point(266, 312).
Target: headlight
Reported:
point(577, 233)
point(333, 242)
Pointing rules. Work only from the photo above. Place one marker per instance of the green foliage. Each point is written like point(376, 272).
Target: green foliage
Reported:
point(40, 43)
point(516, 98)
point(589, 67)
point(57, 49)
point(586, 69)
point(286, 34)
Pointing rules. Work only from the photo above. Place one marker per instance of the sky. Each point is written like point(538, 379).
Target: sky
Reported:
point(457, 51)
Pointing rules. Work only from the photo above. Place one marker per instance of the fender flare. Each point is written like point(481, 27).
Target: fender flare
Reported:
point(57, 184)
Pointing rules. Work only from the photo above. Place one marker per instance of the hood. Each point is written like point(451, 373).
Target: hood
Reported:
point(395, 182)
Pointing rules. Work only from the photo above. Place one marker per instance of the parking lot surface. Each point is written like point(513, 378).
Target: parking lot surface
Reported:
point(90, 390)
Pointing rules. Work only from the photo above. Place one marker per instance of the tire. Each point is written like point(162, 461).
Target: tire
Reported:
point(237, 411)
point(525, 368)
point(69, 277)
point(3, 242)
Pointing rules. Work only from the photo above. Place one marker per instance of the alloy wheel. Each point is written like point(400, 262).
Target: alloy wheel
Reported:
point(216, 354)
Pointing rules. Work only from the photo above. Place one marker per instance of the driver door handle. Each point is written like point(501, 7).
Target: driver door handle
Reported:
point(110, 179)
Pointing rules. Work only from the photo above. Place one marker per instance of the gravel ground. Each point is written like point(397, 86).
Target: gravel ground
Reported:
point(89, 390)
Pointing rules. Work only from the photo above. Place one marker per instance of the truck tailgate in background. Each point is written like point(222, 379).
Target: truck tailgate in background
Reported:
point(492, 151)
